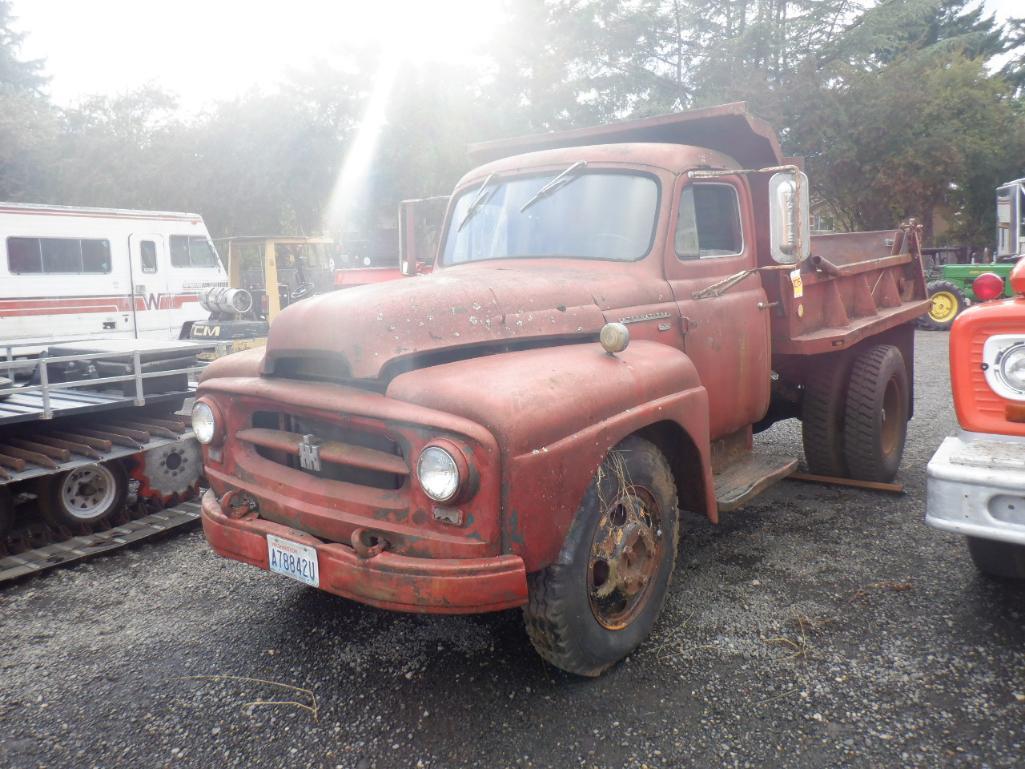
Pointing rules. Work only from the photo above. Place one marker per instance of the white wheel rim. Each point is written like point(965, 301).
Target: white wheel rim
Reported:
point(88, 492)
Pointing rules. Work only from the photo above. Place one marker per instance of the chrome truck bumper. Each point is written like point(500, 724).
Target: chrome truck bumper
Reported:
point(976, 487)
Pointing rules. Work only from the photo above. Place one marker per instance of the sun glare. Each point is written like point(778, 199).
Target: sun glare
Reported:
point(409, 32)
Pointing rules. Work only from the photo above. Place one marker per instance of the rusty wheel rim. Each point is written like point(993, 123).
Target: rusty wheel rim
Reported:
point(892, 413)
point(626, 550)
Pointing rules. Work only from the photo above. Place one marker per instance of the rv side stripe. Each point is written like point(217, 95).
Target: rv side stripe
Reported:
point(93, 304)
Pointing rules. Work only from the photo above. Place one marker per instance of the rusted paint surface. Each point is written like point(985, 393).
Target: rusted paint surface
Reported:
point(387, 580)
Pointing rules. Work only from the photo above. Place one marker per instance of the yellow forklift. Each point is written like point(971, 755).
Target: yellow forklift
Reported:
point(265, 275)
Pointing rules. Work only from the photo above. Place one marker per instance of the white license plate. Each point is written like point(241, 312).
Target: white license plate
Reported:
point(293, 560)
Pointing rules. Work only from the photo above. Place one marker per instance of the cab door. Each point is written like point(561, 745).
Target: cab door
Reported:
point(712, 238)
point(150, 313)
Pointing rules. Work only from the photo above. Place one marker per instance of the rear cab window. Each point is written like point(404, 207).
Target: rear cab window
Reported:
point(709, 224)
point(192, 251)
point(75, 256)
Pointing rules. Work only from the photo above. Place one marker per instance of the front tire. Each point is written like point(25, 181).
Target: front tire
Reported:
point(85, 495)
point(997, 559)
point(599, 600)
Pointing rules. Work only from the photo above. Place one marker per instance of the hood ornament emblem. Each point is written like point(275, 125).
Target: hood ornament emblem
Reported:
point(309, 453)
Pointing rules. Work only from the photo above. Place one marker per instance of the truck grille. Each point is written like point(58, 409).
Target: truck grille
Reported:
point(351, 453)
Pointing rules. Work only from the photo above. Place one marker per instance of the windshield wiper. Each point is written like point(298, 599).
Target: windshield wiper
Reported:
point(482, 197)
point(557, 183)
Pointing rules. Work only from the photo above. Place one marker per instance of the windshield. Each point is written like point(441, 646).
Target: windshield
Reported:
point(597, 216)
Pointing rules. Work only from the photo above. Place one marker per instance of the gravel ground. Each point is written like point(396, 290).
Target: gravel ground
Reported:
point(818, 627)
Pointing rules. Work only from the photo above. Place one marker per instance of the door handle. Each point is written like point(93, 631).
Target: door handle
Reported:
point(767, 305)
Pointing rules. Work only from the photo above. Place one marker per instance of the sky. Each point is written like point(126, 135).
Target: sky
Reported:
point(206, 50)
point(209, 50)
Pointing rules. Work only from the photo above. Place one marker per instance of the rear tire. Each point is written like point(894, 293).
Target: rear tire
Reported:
point(599, 600)
point(876, 415)
point(85, 495)
point(822, 418)
point(997, 559)
point(948, 301)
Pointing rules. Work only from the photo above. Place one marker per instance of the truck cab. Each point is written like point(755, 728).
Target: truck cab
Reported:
point(611, 315)
point(976, 479)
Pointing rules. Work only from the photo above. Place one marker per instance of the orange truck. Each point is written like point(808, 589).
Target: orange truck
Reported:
point(976, 483)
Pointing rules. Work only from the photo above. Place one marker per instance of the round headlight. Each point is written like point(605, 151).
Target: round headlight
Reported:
point(1012, 367)
point(438, 474)
point(204, 423)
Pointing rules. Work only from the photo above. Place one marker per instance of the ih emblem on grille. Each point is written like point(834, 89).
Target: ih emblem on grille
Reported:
point(309, 453)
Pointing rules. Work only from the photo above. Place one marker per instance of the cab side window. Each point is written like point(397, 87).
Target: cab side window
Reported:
point(709, 224)
point(192, 251)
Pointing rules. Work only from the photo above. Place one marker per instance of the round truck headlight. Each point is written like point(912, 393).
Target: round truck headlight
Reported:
point(438, 474)
point(204, 422)
point(1012, 367)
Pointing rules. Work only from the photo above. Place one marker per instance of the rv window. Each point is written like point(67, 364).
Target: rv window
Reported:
point(148, 252)
point(23, 255)
point(95, 256)
point(57, 255)
point(193, 251)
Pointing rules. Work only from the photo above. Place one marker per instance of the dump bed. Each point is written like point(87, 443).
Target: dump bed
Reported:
point(853, 286)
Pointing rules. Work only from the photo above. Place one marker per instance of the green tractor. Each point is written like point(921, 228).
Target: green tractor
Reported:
point(961, 285)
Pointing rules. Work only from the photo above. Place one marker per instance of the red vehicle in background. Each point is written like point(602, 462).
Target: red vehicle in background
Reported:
point(976, 481)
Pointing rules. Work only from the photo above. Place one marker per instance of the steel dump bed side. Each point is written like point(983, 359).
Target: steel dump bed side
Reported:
point(853, 286)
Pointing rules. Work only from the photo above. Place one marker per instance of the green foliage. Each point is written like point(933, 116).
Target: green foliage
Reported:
point(896, 104)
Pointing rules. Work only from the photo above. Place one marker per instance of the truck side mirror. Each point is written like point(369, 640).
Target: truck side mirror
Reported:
point(419, 228)
point(789, 217)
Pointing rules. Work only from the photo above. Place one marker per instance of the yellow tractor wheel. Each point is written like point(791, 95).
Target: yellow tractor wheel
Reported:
point(947, 302)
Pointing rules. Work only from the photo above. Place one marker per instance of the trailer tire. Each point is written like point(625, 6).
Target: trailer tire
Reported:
point(6, 511)
point(1002, 560)
point(876, 414)
point(84, 495)
point(598, 601)
point(823, 409)
point(948, 301)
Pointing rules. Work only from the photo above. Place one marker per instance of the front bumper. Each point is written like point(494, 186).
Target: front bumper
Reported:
point(387, 580)
point(976, 487)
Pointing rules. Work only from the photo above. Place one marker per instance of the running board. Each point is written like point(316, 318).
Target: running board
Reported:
point(85, 546)
point(748, 477)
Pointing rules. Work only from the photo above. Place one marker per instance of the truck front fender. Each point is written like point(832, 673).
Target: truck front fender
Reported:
point(556, 412)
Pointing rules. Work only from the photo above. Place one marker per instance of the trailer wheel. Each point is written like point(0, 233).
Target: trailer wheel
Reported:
point(997, 559)
point(83, 495)
point(598, 601)
point(876, 414)
point(822, 418)
point(6, 510)
point(948, 301)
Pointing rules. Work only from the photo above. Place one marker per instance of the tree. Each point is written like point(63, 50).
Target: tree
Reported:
point(16, 72)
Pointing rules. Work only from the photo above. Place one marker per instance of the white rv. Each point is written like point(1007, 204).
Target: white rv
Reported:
point(93, 273)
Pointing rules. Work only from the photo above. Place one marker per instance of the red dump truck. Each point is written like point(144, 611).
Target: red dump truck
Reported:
point(612, 314)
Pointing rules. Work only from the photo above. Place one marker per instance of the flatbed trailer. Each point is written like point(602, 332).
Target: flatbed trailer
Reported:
point(92, 438)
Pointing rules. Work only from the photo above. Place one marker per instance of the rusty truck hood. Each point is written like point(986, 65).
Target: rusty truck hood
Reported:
point(363, 329)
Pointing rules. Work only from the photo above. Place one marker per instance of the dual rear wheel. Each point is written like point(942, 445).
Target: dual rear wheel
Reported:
point(854, 415)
